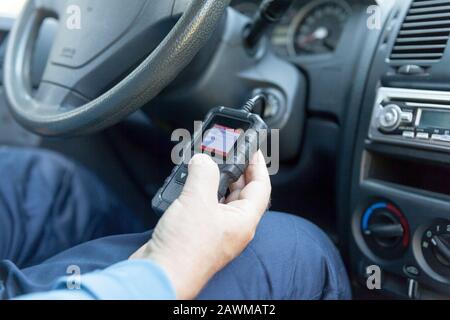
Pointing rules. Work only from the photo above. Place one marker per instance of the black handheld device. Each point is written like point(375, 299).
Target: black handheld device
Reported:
point(231, 137)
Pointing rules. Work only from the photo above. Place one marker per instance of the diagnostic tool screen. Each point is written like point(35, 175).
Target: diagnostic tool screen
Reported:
point(219, 140)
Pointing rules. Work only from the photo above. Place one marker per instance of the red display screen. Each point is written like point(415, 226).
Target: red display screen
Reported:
point(219, 140)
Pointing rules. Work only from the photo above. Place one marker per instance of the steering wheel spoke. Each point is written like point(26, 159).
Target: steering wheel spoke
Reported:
point(58, 98)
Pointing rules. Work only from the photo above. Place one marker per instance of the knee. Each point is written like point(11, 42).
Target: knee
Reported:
point(27, 167)
point(309, 264)
point(58, 190)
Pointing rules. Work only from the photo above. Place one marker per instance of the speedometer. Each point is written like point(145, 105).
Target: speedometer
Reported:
point(314, 28)
point(317, 28)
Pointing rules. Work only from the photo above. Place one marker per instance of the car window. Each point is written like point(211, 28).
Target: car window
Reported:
point(11, 8)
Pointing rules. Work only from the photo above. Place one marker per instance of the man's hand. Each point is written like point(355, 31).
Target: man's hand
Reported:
point(198, 236)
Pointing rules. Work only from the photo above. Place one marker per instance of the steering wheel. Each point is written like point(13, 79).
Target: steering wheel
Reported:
point(93, 44)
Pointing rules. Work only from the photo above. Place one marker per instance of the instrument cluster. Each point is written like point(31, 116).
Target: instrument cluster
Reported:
point(309, 28)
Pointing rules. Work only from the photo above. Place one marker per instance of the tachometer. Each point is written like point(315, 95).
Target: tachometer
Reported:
point(318, 27)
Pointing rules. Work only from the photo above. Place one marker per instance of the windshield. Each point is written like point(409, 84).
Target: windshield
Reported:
point(11, 8)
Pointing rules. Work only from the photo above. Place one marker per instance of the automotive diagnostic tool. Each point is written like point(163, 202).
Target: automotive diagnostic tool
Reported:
point(231, 137)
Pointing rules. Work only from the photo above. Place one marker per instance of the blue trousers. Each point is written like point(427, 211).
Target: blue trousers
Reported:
point(54, 214)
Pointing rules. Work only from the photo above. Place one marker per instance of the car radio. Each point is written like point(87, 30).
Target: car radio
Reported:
point(412, 117)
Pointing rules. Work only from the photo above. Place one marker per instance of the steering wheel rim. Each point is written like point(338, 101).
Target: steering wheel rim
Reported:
point(161, 67)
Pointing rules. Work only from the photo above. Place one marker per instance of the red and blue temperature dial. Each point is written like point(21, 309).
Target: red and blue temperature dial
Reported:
point(385, 230)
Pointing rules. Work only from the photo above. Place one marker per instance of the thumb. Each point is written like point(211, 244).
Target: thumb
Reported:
point(203, 178)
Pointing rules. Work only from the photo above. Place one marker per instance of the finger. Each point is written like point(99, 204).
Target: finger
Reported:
point(235, 190)
point(233, 196)
point(254, 197)
point(203, 178)
point(238, 185)
point(257, 169)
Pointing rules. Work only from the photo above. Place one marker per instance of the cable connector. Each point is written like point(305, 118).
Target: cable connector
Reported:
point(253, 103)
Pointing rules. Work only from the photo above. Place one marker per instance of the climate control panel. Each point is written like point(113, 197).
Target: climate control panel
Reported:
point(413, 251)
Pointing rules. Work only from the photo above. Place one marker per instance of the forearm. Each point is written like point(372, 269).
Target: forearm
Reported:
point(129, 280)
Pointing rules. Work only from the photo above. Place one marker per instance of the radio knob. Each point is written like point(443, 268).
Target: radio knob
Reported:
point(390, 118)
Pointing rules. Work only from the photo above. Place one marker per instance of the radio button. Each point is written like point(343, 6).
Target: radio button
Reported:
point(408, 134)
point(423, 135)
point(440, 137)
point(407, 117)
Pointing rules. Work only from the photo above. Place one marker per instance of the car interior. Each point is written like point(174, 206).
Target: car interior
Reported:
point(359, 88)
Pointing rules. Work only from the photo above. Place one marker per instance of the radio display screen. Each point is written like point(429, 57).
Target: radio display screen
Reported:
point(435, 119)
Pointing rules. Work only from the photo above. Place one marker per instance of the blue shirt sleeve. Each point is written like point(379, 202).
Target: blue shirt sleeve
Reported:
point(128, 280)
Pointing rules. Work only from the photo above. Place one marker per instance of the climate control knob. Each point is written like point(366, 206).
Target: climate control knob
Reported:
point(385, 230)
point(441, 246)
point(436, 247)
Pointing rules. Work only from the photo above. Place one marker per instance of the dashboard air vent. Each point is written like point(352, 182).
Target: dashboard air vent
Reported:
point(424, 33)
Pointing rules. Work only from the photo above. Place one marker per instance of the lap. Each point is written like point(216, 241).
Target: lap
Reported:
point(288, 259)
point(49, 204)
